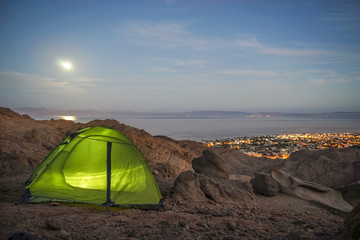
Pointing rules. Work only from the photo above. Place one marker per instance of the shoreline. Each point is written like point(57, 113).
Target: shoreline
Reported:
point(198, 129)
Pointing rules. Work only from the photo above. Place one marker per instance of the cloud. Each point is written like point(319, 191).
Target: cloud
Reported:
point(345, 18)
point(170, 1)
point(273, 85)
point(191, 62)
point(318, 82)
point(169, 35)
point(252, 44)
point(88, 81)
point(162, 69)
point(35, 83)
point(324, 77)
point(240, 55)
point(176, 35)
point(340, 80)
point(249, 72)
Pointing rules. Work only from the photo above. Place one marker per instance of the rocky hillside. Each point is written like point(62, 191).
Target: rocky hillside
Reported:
point(25, 142)
point(216, 194)
point(329, 167)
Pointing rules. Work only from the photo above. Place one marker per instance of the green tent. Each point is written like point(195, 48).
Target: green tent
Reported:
point(95, 165)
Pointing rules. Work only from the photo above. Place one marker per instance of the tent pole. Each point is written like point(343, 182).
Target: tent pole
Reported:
point(108, 166)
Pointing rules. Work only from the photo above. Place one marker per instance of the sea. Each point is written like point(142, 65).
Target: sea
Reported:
point(211, 128)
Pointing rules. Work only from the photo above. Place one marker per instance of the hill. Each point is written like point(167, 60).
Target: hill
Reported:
point(25, 142)
point(208, 195)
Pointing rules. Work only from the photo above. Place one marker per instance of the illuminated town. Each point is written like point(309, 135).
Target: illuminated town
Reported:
point(281, 146)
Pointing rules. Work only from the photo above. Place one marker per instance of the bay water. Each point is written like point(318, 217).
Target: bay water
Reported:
point(221, 128)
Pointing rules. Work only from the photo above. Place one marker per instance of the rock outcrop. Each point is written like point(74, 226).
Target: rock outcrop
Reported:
point(329, 167)
point(211, 165)
point(264, 184)
point(197, 188)
point(239, 163)
point(310, 191)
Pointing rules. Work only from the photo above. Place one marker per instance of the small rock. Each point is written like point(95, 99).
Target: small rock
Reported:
point(54, 204)
point(21, 235)
point(115, 214)
point(52, 224)
point(201, 224)
point(230, 226)
point(299, 222)
point(182, 223)
point(63, 235)
point(165, 223)
point(230, 213)
point(228, 238)
point(166, 233)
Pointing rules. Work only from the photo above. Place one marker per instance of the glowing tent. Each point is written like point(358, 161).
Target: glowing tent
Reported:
point(95, 165)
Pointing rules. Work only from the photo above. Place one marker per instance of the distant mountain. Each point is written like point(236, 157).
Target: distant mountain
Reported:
point(42, 112)
point(344, 114)
point(49, 113)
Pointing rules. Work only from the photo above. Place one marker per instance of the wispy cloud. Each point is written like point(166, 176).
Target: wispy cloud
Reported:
point(191, 62)
point(318, 82)
point(170, 35)
point(35, 83)
point(274, 85)
point(340, 80)
point(248, 72)
point(162, 69)
point(176, 35)
point(170, 1)
point(323, 73)
point(89, 81)
point(345, 18)
point(324, 77)
point(253, 45)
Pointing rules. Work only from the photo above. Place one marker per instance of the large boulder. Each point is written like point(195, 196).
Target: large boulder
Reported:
point(210, 165)
point(197, 188)
point(239, 163)
point(263, 184)
point(310, 191)
point(187, 188)
point(329, 167)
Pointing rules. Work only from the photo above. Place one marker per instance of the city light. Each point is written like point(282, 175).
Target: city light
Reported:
point(282, 146)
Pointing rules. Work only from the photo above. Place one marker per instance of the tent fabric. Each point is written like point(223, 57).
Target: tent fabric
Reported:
point(95, 165)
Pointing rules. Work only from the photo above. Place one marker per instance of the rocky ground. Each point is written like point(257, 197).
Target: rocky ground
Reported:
point(212, 197)
point(279, 217)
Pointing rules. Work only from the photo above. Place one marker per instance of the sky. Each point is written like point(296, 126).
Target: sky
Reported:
point(175, 55)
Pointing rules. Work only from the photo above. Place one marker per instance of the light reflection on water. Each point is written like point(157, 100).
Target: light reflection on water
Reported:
point(69, 118)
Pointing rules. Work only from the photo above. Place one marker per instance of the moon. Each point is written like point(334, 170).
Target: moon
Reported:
point(67, 66)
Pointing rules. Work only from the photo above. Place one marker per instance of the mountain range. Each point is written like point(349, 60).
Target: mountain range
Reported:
point(45, 112)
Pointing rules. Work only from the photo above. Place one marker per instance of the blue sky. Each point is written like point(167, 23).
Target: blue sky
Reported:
point(291, 56)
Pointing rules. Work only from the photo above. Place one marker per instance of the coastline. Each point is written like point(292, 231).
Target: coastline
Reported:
point(207, 128)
